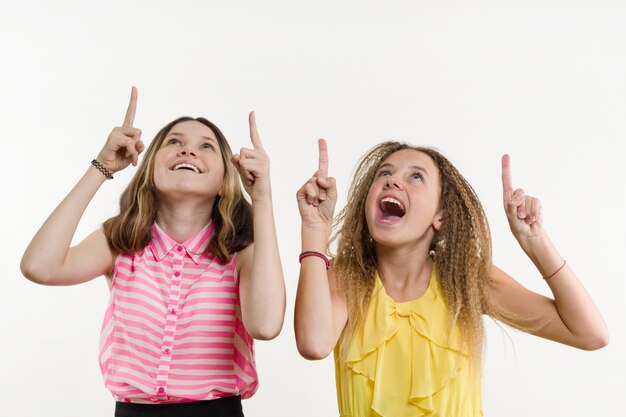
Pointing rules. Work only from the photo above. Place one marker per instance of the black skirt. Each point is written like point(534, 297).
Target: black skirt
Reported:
point(222, 407)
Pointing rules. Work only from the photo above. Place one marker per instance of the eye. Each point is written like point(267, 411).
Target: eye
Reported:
point(208, 145)
point(384, 173)
point(417, 176)
point(173, 141)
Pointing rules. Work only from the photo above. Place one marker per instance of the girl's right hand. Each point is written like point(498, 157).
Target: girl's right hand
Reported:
point(318, 196)
point(124, 144)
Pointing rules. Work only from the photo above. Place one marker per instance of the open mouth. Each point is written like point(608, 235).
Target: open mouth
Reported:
point(391, 209)
point(186, 166)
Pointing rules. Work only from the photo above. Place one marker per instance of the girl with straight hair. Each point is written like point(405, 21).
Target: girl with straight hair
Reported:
point(193, 268)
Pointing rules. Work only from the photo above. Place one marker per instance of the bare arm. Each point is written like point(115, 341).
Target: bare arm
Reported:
point(320, 313)
point(49, 259)
point(262, 285)
point(571, 317)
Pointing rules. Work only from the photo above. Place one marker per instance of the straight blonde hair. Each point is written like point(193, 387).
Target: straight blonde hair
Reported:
point(231, 213)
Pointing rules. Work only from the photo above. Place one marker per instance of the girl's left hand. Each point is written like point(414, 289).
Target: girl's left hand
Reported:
point(522, 211)
point(254, 165)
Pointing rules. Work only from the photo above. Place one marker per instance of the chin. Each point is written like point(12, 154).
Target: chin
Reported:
point(386, 239)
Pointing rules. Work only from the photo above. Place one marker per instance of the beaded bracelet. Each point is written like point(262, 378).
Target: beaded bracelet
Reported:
point(102, 169)
point(557, 271)
point(308, 253)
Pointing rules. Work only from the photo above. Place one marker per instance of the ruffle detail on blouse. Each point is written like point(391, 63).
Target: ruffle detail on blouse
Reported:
point(433, 357)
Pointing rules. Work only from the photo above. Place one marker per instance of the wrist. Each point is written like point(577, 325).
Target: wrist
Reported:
point(102, 169)
point(543, 254)
point(317, 242)
point(534, 245)
point(314, 255)
point(107, 161)
point(102, 172)
point(260, 197)
point(316, 232)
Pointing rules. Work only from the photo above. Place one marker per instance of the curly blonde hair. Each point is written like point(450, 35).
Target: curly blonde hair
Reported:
point(231, 214)
point(462, 245)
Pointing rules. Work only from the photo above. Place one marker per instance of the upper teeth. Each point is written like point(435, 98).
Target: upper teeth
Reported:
point(186, 165)
point(392, 200)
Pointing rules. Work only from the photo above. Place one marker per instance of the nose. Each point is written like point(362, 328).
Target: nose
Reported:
point(186, 151)
point(393, 182)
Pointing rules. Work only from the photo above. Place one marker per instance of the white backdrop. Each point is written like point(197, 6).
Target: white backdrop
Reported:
point(541, 80)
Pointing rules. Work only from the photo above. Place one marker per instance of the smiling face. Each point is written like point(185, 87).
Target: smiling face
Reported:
point(189, 162)
point(403, 206)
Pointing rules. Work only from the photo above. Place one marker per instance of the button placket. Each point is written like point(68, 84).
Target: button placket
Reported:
point(170, 322)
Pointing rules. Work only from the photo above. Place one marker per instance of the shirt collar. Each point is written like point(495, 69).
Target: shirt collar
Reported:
point(162, 244)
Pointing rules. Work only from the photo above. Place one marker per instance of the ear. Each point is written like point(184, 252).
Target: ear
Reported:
point(438, 220)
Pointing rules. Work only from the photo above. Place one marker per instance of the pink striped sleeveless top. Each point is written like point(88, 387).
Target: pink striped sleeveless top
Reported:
point(172, 330)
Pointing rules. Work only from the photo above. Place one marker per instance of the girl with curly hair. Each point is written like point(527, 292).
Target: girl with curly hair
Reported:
point(401, 303)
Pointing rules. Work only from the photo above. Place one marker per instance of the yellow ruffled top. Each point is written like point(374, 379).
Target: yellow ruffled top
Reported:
point(404, 362)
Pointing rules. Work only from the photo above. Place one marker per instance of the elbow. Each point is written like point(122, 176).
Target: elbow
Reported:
point(264, 334)
point(33, 273)
point(265, 331)
point(312, 341)
point(595, 342)
point(312, 349)
point(312, 354)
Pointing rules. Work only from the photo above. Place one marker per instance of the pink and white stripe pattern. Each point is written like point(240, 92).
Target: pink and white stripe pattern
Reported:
point(172, 331)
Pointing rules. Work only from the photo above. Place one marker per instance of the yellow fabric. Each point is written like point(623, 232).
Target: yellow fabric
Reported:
point(404, 363)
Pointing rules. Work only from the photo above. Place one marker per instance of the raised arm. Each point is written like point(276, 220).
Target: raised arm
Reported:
point(49, 259)
point(320, 313)
point(262, 285)
point(571, 317)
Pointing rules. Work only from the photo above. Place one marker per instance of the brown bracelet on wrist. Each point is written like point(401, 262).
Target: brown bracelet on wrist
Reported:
point(557, 271)
point(320, 255)
point(102, 169)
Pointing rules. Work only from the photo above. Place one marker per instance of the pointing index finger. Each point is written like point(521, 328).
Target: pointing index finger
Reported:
point(323, 163)
point(132, 109)
point(254, 133)
point(507, 180)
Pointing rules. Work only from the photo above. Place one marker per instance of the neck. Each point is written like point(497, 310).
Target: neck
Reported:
point(182, 220)
point(404, 266)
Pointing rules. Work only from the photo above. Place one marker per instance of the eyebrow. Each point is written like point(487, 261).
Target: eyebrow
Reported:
point(416, 167)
